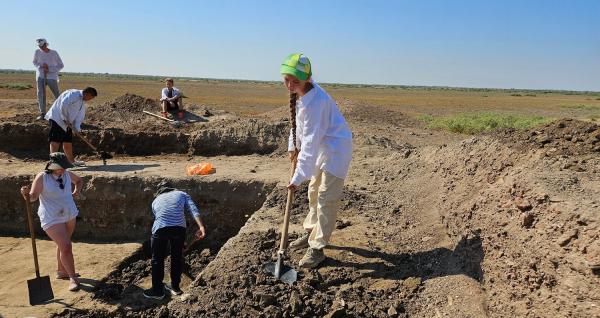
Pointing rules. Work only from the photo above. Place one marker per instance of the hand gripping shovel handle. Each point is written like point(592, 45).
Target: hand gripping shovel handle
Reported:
point(32, 232)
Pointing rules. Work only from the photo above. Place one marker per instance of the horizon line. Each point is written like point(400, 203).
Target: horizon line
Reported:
point(436, 87)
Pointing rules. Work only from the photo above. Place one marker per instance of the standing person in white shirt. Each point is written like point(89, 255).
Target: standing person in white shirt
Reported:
point(321, 142)
point(170, 99)
point(65, 115)
point(48, 64)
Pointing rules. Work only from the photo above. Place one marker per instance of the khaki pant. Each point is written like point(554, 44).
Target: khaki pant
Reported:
point(324, 194)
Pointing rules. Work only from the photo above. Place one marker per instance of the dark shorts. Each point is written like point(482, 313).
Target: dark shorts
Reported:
point(57, 134)
point(174, 105)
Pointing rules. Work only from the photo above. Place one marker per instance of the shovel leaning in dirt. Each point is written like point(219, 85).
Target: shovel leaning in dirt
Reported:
point(103, 154)
point(281, 271)
point(40, 289)
point(174, 123)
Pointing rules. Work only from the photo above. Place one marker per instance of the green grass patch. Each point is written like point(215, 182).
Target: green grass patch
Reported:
point(17, 86)
point(582, 107)
point(482, 122)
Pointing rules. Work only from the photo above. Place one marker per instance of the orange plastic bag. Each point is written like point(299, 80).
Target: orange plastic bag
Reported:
point(200, 169)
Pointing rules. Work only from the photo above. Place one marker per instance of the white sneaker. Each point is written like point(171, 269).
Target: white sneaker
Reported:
point(79, 163)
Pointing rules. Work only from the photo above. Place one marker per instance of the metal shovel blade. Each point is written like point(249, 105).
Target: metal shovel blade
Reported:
point(40, 290)
point(282, 272)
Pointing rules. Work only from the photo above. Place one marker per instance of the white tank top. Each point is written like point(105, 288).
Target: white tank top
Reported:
point(54, 201)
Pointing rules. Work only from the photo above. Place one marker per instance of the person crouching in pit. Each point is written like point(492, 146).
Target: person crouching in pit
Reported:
point(321, 142)
point(57, 210)
point(169, 229)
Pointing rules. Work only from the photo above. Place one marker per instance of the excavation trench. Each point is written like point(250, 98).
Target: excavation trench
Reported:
point(115, 210)
point(238, 137)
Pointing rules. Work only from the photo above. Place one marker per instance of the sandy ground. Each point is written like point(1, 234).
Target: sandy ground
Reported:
point(16, 262)
point(92, 261)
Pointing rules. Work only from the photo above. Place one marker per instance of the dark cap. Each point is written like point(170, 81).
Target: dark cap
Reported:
point(163, 186)
point(58, 160)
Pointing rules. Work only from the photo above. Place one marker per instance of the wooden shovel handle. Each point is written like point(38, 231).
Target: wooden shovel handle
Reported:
point(288, 207)
point(85, 140)
point(32, 232)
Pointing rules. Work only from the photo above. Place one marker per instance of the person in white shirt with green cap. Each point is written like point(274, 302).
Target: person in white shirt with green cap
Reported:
point(321, 143)
point(47, 63)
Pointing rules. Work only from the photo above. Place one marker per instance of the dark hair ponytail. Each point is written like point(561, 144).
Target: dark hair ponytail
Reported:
point(293, 99)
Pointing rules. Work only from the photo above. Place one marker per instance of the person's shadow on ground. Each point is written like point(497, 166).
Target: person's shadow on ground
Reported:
point(465, 259)
point(116, 167)
point(190, 117)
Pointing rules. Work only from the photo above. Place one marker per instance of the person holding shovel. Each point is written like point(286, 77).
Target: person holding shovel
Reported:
point(169, 228)
point(321, 142)
point(65, 115)
point(57, 210)
point(47, 63)
point(170, 99)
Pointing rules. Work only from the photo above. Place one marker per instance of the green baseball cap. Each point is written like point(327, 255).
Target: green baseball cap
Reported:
point(297, 65)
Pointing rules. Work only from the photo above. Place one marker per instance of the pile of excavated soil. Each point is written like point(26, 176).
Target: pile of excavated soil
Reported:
point(559, 138)
point(126, 112)
point(536, 208)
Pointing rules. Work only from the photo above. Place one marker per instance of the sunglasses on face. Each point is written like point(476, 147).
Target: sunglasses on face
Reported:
point(60, 183)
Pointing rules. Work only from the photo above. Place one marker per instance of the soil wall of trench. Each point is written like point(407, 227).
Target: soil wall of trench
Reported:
point(243, 137)
point(113, 208)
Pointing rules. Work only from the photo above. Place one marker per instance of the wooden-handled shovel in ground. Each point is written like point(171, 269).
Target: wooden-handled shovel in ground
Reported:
point(103, 154)
point(40, 289)
point(282, 272)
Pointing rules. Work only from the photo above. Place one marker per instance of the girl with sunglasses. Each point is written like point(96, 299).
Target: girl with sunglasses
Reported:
point(57, 210)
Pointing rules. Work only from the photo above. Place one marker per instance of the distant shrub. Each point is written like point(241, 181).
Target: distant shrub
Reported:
point(482, 122)
point(582, 107)
point(517, 95)
point(531, 95)
point(16, 86)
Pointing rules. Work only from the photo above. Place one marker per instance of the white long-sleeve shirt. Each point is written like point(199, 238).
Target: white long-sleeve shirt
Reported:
point(53, 61)
point(165, 91)
point(68, 108)
point(322, 136)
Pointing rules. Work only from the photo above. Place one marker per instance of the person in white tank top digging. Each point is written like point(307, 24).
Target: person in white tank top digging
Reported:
point(57, 210)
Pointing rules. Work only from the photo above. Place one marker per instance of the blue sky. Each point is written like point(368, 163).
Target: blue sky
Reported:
point(504, 44)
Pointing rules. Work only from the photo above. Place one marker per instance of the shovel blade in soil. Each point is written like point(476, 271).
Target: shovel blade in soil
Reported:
point(40, 290)
point(287, 274)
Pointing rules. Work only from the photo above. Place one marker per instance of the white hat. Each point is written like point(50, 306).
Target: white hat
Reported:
point(41, 42)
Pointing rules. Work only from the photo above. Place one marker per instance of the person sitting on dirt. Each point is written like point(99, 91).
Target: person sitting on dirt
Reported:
point(65, 115)
point(169, 229)
point(171, 99)
point(324, 140)
point(57, 210)
point(47, 63)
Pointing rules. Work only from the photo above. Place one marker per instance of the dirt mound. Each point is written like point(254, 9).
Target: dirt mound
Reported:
point(537, 215)
point(560, 137)
point(130, 103)
point(124, 111)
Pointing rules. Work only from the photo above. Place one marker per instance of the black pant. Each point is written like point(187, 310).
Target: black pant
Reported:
point(175, 235)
